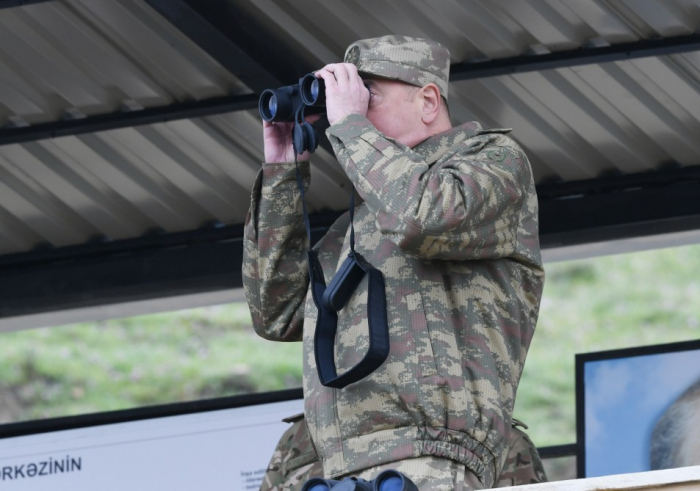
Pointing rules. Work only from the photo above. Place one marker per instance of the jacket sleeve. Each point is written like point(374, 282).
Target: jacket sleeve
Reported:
point(466, 207)
point(275, 272)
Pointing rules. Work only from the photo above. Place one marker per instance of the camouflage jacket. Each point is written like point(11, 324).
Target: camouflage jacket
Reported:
point(294, 460)
point(452, 225)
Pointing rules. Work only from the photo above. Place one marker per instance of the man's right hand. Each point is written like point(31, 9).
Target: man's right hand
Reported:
point(278, 141)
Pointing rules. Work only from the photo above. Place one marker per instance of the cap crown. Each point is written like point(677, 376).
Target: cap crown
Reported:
point(412, 60)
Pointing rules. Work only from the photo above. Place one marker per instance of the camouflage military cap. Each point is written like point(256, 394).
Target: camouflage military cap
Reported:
point(411, 60)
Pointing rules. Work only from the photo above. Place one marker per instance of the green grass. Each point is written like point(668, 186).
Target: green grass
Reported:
point(600, 304)
point(590, 305)
point(145, 360)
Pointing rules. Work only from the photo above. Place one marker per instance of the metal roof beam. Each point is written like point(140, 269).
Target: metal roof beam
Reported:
point(197, 24)
point(127, 270)
point(210, 259)
point(576, 57)
point(622, 214)
point(224, 48)
point(128, 119)
point(241, 43)
point(5, 4)
point(618, 182)
point(246, 46)
point(117, 278)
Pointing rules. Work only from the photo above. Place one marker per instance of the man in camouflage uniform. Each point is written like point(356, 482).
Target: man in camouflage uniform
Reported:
point(450, 219)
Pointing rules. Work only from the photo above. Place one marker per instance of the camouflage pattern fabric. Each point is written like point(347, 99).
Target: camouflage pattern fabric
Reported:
point(412, 60)
point(452, 225)
point(430, 474)
point(523, 464)
point(294, 462)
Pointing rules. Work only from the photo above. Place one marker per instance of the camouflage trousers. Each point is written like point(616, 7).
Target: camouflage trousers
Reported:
point(294, 461)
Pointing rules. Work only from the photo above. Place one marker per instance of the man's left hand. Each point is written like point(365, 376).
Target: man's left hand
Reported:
point(345, 91)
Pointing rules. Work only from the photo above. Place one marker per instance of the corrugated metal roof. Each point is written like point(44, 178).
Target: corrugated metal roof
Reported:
point(70, 58)
point(119, 184)
point(575, 123)
point(84, 57)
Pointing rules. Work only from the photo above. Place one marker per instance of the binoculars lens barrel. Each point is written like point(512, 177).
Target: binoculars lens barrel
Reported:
point(318, 484)
point(391, 480)
point(313, 90)
point(391, 484)
point(318, 487)
point(272, 105)
point(279, 104)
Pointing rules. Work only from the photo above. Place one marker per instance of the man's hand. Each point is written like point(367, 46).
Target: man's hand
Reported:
point(345, 92)
point(278, 141)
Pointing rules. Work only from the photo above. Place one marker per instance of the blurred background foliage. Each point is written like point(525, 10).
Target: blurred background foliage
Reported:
point(589, 305)
point(139, 361)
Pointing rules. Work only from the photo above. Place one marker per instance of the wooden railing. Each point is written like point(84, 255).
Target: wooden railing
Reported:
point(683, 479)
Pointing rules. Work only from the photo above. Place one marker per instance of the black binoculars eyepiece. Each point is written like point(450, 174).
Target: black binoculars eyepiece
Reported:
point(279, 104)
point(313, 90)
point(389, 480)
point(282, 105)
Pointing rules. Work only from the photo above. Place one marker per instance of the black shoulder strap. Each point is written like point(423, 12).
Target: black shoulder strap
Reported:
point(327, 326)
point(327, 321)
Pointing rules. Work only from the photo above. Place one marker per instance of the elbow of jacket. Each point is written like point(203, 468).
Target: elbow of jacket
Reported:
point(274, 329)
point(409, 234)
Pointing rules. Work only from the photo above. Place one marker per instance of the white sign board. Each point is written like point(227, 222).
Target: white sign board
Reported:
point(218, 450)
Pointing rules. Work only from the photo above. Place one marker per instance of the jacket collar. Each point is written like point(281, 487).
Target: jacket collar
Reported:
point(434, 147)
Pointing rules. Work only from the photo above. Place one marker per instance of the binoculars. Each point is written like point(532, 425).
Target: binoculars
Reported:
point(285, 103)
point(389, 480)
point(291, 104)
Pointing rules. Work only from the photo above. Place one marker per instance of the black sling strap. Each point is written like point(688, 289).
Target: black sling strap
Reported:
point(342, 286)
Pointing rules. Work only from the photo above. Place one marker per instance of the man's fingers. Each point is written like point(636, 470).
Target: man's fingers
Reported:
point(345, 91)
point(345, 76)
point(351, 69)
point(327, 77)
point(340, 74)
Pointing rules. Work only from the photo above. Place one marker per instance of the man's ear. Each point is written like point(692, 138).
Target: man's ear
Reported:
point(430, 97)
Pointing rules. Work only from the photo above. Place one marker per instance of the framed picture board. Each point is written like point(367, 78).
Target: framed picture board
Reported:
point(638, 409)
point(216, 444)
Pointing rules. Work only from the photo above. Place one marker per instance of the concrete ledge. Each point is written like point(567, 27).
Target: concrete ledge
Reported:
point(683, 479)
